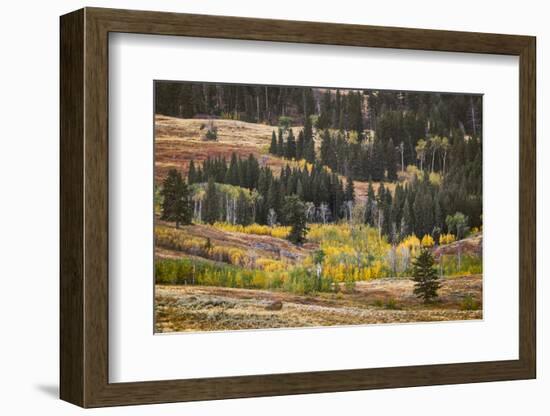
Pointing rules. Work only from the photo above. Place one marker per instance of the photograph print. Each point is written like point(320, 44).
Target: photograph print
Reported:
point(291, 207)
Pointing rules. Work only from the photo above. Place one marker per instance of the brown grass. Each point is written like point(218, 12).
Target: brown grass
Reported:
point(178, 141)
point(198, 308)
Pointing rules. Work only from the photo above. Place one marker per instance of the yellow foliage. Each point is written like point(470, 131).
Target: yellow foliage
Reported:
point(446, 238)
point(435, 178)
point(427, 241)
point(269, 265)
point(257, 229)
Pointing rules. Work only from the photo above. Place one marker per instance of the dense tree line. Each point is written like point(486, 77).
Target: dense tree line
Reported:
point(419, 207)
point(322, 192)
point(253, 103)
point(423, 208)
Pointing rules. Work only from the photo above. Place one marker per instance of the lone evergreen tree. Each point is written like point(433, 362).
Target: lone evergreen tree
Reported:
point(176, 205)
point(294, 211)
point(426, 280)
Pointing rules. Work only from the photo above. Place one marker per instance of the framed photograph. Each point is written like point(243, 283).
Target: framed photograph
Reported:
point(260, 207)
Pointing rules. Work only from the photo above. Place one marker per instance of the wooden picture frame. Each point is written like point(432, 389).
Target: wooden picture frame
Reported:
point(84, 207)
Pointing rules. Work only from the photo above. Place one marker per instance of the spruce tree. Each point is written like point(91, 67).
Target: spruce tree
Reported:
point(294, 212)
point(273, 147)
point(309, 150)
point(426, 280)
point(281, 144)
point(232, 175)
point(300, 146)
point(290, 146)
point(211, 202)
point(176, 204)
point(350, 190)
point(192, 174)
point(391, 162)
point(370, 205)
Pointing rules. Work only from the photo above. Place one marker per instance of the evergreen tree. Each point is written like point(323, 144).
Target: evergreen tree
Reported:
point(426, 280)
point(176, 204)
point(192, 174)
point(281, 144)
point(294, 212)
point(211, 203)
point(232, 176)
point(273, 147)
point(370, 206)
point(300, 145)
point(243, 209)
point(309, 150)
point(423, 211)
point(407, 220)
point(350, 190)
point(290, 152)
point(325, 117)
point(377, 161)
point(391, 162)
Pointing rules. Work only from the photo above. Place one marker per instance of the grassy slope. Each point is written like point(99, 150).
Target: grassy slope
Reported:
point(178, 141)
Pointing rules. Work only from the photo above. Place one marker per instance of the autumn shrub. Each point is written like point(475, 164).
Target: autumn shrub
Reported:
point(446, 239)
point(277, 232)
point(427, 241)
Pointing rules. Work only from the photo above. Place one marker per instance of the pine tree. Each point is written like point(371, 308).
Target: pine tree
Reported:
point(281, 144)
point(309, 150)
point(370, 205)
point(192, 174)
point(350, 190)
point(176, 204)
point(426, 280)
point(407, 225)
point(377, 161)
point(243, 209)
point(290, 152)
point(294, 212)
point(273, 147)
point(232, 175)
point(423, 211)
point(300, 145)
point(325, 117)
point(211, 203)
point(391, 162)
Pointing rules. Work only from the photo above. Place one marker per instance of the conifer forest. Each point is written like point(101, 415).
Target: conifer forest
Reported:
point(285, 207)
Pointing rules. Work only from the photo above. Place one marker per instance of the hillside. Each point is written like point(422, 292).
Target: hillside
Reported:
point(178, 141)
point(472, 245)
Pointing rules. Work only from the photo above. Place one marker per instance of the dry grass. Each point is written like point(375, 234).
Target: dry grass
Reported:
point(178, 141)
point(198, 308)
point(255, 246)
